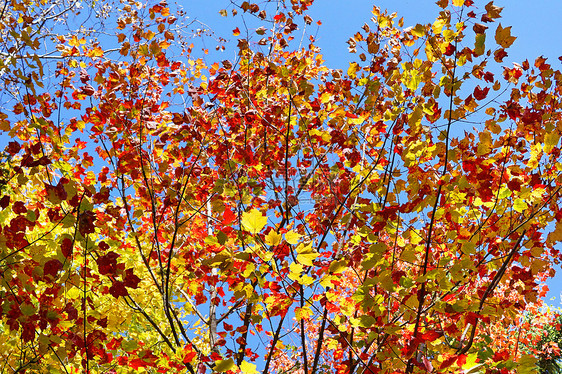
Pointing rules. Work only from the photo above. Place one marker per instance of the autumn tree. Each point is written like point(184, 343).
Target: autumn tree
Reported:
point(164, 212)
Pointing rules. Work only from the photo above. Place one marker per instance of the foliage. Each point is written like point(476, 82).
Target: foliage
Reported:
point(164, 213)
point(546, 340)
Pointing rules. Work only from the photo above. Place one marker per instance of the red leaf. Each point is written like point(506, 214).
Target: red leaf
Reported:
point(88, 90)
point(514, 185)
point(447, 362)
point(4, 201)
point(71, 311)
point(472, 317)
point(411, 347)
point(469, 166)
point(84, 77)
point(138, 362)
point(480, 94)
point(228, 217)
point(28, 332)
point(130, 280)
point(107, 264)
point(52, 267)
point(430, 336)
point(118, 289)
point(86, 225)
point(67, 247)
point(13, 148)
point(397, 275)
point(449, 50)
point(19, 207)
point(489, 77)
point(189, 357)
point(502, 355)
point(19, 224)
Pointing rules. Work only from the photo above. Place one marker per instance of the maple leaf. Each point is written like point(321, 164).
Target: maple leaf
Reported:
point(52, 267)
point(4, 201)
point(107, 264)
point(355, 198)
point(67, 247)
point(503, 36)
point(130, 280)
point(13, 148)
point(118, 289)
point(479, 93)
point(86, 224)
point(253, 221)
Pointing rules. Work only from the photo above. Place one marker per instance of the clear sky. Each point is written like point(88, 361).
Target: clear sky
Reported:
point(536, 25)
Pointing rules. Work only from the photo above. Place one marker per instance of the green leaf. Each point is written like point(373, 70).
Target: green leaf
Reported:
point(27, 309)
point(527, 364)
point(253, 221)
point(480, 44)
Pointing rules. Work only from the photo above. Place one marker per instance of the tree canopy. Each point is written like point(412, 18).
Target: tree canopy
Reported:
point(167, 210)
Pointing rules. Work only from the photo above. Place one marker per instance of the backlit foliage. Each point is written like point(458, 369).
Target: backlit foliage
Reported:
point(166, 212)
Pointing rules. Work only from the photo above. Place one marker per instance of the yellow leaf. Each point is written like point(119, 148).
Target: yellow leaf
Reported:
point(307, 258)
point(295, 271)
point(556, 235)
point(353, 67)
point(75, 42)
point(253, 221)
point(503, 36)
point(224, 365)
point(305, 254)
point(519, 205)
point(302, 313)
point(550, 141)
point(272, 238)
point(458, 2)
point(337, 267)
point(418, 31)
point(415, 118)
point(292, 237)
point(248, 368)
point(438, 25)
point(149, 35)
point(468, 248)
point(485, 144)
